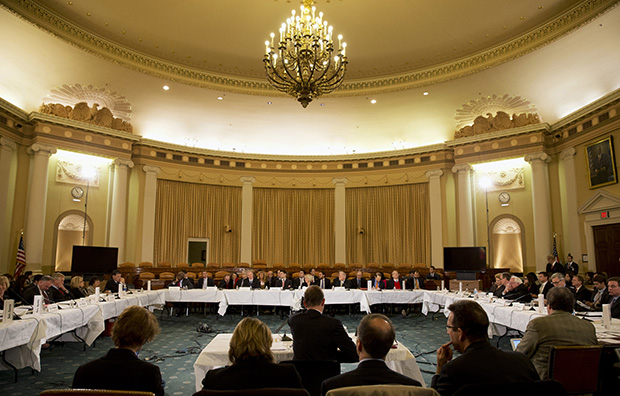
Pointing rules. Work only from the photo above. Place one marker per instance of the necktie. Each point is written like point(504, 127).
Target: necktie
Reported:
point(322, 283)
point(46, 299)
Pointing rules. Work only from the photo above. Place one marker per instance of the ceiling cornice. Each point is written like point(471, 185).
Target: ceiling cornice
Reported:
point(45, 19)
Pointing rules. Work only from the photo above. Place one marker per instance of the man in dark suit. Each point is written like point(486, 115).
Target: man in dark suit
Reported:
point(112, 284)
point(341, 281)
point(359, 282)
point(396, 282)
point(317, 336)
point(432, 275)
point(250, 281)
point(414, 281)
point(181, 281)
point(205, 281)
point(300, 281)
point(282, 282)
point(504, 280)
point(322, 281)
point(375, 337)
point(582, 294)
point(39, 289)
point(553, 265)
point(57, 291)
point(480, 362)
point(545, 285)
point(226, 283)
point(613, 286)
point(517, 291)
point(600, 294)
point(571, 265)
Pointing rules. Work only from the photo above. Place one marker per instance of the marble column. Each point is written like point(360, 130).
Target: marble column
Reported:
point(465, 205)
point(34, 231)
point(572, 237)
point(148, 212)
point(118, 213)
point(541, 203)
point(436, 217)
point(339, 220)
point(246, 218)
point(7, 181)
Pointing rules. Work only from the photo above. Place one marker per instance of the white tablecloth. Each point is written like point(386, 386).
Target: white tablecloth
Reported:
point(215, 355)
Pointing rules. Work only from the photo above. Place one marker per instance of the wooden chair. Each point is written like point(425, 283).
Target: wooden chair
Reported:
point(219, 275)
point(197, 265)
point(213, 265)
point(126, 264)
point(164, 264)
point(254, 392)
point(383, 390)
point(244, 265)
point(366, 275)
point(339, 266)
point(322, 266)
point(182, 265)
point(334, 275)
point(191, 275)
point(146, 276)
point(92, 392)
point(562, 363)
point(145, 264)
point(259, 264)
point(352, 274)
point(167, 276)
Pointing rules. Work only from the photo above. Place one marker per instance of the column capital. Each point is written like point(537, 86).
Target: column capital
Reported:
point(248, 179)
point(568, 153)
point(340, 180)
point(43, 149)
point(461, 168)
point(119, 162)
point(434, 173)
point(148, 169)
point(7, 144)
point(544, 157)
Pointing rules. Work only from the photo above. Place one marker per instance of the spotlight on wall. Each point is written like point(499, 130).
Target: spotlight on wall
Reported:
point(227, 228)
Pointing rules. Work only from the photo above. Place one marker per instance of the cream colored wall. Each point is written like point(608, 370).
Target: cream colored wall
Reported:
point(64, 248)
point(59, 200)
point(135, 207)
point(448, 188)
point(19, 206)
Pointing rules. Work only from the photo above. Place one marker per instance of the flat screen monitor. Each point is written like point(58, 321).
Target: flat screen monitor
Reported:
point(94, 259)
point(464, 259)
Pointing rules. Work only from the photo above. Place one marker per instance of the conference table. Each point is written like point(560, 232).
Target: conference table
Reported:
point(215, 355)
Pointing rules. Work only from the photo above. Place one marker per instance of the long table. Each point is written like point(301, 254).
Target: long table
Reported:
point(215, 354)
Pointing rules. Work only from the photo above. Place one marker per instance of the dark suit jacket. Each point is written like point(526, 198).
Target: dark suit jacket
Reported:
point(615, 308)
point(252, 375)
point(499, 291)
point(182, 283)
point(226, 285)
point(583, 294)
point(410, 283)
point(255, 284)
point(119, 369)
point(520, 294)
point(546, 289)
point(353, 283)
point(298, 283)
point(390, 284)
point(201, 282)
point(288, 284)
point(481, 363)
point(111, 285)
point(604, 299)
point(30, 292)
point(368, 372)
point(328, 283)
point(434, 276)
point(320, 337)
point(572, 267)
point(338, 283)
point(58, 295)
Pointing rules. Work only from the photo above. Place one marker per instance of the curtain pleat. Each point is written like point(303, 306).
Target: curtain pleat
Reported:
point(189, 210)
point(293, 225)
point(395, 220)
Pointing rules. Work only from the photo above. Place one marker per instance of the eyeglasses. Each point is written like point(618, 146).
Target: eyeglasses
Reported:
point(451, 327)
point(556, 283)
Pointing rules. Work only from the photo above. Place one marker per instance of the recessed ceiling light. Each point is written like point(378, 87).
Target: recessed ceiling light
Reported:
point(373, 101)
point(220, 98)
point(166, 87)
point(322, 104)
point(425, 94)
point(269, 102)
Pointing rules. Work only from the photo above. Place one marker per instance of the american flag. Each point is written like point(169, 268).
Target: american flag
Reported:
point(555, 251)
point(21, 258)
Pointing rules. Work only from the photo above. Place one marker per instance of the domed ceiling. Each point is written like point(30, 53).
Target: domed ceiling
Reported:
point(426, 64)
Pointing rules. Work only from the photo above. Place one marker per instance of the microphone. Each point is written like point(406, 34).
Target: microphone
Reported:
point(520, 297)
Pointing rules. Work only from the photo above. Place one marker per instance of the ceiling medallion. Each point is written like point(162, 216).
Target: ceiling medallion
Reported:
point(70, 95)
point(302, 65)
point(491, 105)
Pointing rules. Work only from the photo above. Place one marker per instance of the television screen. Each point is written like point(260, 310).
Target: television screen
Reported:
point(94, 259)
point(464, 259)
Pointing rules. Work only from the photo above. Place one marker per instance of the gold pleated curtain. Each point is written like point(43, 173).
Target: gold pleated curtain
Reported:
point(188, 210)
point(395, 220)
point(293, 226)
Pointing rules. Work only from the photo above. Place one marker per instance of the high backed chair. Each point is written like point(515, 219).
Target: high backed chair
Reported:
point(145, 264)
point(182, 265)
point(126, 264)
point(213, 265)
point(92, 392)
point(164, 264)
point(312, 373)
point(576, 367)
point(166, 276)
point(219, 275)
point(191, 275)
point(197, 265)
point(146, 276)
point(254, 392)
point(383, 390)
point(259, 264)
point(339, 266)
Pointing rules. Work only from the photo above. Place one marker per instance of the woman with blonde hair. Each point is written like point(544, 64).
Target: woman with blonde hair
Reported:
point(120, 368)
point(4, 285)
point(253, 364)
point(76, 288)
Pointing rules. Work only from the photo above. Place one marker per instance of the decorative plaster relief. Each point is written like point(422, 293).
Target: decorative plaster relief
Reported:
point(504, 179)
point(71, 173)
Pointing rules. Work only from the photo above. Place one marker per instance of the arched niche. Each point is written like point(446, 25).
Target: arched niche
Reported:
point(508, 243)
point(68, 231)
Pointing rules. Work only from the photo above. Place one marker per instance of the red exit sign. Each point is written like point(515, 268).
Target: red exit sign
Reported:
point(605, 215)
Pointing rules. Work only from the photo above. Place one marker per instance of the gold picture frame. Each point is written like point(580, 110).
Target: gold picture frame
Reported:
point(601, 163)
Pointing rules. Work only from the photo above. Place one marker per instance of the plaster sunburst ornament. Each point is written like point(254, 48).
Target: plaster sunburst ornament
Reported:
point(70, 95)
point(490, 105)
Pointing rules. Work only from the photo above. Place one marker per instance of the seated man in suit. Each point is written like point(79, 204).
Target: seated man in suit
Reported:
point(480, 362)
point(600, 295)
point(322, 281)
point(250, 281)
point(375, 337)
point(226, 283)
point(613, 285)
point(112, 285)
point(184, 283)
point(504, 280)
point(341, 281)
point(396, 282)
point(545, 285)
point(317, 336)
point(559, 328)
point(517, 291)
point(432, 275)
point(300, 281)
point(205, 281)
point(582, 294)
point(58, 292)
point(414, 281)
point(39, 289)
point(359, 282)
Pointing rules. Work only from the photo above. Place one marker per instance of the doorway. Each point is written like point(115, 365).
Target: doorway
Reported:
point(607, 248)
point(507, 244)
point(197, 250)
point(70, 229)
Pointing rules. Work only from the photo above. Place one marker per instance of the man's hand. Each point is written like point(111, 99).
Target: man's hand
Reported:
point(444, 355)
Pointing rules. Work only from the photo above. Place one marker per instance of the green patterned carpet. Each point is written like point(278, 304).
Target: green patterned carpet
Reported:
point(179, 344)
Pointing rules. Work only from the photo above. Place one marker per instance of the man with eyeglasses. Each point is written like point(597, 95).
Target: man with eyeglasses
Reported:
point(613, 286)
point(480, 362)
point(557, 280)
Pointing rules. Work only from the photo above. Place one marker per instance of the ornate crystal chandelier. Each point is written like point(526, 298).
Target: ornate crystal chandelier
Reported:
point(303, 64)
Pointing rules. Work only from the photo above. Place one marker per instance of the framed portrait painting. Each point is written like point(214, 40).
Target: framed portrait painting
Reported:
point(601, 163)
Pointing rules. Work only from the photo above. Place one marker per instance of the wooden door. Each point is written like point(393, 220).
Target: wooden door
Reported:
point(607, 248)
